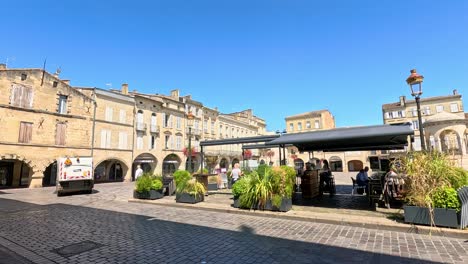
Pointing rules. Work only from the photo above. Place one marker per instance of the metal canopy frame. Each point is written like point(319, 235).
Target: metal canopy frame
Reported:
point(378, 137)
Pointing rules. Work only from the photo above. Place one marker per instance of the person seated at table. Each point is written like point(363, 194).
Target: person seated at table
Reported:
point(361, 178)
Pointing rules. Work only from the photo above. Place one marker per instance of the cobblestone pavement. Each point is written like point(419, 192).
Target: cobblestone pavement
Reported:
point(120, 232)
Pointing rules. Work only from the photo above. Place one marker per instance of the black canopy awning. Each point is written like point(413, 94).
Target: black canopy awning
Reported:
point(244, 140)
point(378, 137)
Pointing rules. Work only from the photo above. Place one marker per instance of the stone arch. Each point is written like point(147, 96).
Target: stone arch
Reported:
point(336, 164)
point(450, 141)
point(147, 161)
point(171, 163)
point(110, 169)
point(355, 165)
point(19, 171)
point(50, 174)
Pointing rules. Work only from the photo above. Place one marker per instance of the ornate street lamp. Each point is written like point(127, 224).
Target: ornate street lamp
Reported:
point(415, 82)
point(190, 119)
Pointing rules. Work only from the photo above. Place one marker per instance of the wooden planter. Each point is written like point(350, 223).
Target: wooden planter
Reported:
point(212, 186)
point(151, 195)
point(442, 216)
point(188, 198)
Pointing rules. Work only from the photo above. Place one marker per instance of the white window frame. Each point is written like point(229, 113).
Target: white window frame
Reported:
point(439, 108)
point(62, 108)
point(317, 124)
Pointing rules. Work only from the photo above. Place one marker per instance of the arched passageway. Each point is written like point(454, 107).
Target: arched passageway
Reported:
point(336, 164)
point(50, 175)
point(171, 163)
point(355, 165)
point(14, 173)
point(147, 162)
point(110, 170)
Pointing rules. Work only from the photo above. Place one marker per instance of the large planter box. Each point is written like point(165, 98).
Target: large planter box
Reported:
point(151, 195)
point(187, 198)
point(212, 186)
point(286, 205)
point(442, 216)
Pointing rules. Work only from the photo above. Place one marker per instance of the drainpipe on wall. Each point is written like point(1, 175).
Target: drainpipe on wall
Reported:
point(133, 138)
point(94, 123)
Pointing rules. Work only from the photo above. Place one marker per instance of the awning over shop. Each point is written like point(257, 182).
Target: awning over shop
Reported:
point(378, 137)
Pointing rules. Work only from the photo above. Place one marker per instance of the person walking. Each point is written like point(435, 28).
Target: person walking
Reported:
point(138, 172)
point(236, 173)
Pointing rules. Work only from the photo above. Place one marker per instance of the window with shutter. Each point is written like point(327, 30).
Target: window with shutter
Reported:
point(60, 134)
point(164, 120)
point(25, 133)
point(123, 140)
point(123, 116)
point(21, 96)
point(108, 139)
point(139, 141)
point(453, 108)
point(109, 113)
point(103, 138)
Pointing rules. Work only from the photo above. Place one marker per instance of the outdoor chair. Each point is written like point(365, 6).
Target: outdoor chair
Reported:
point(169, 185)
point(357, 187)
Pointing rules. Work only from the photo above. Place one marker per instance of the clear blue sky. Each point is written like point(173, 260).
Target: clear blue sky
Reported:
point(277, 57)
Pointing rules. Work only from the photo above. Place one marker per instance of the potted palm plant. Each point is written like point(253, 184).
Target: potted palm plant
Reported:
point(148, 187)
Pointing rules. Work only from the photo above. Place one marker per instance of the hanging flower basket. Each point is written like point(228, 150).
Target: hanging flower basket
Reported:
point(186, 152)
point(247, 154)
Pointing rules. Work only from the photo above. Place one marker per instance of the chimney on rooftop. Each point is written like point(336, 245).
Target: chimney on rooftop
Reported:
point(67, 82)
point(3, 66)
point(175, 94)
point(124, 89)
point(402, 100)
point(455, 92)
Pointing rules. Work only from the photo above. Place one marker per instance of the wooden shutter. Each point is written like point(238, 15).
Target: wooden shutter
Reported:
point(103, 138)
point(60, 134)
point(25, 133)
point(123, 116)
point(27, 97)
point(108, 139)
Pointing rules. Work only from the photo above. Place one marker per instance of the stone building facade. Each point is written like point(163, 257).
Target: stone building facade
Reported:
point(113, 134)
point(45, 118)
point(41, 118)
point(444, 123)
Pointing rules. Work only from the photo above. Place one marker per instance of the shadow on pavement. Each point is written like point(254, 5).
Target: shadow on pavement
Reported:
point(131, 238)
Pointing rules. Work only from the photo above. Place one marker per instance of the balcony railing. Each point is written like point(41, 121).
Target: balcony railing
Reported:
point(140, 126)
point(154, 128)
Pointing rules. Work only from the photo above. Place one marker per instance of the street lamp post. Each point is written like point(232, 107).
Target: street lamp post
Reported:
point(190, 119)
point(415, 82)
